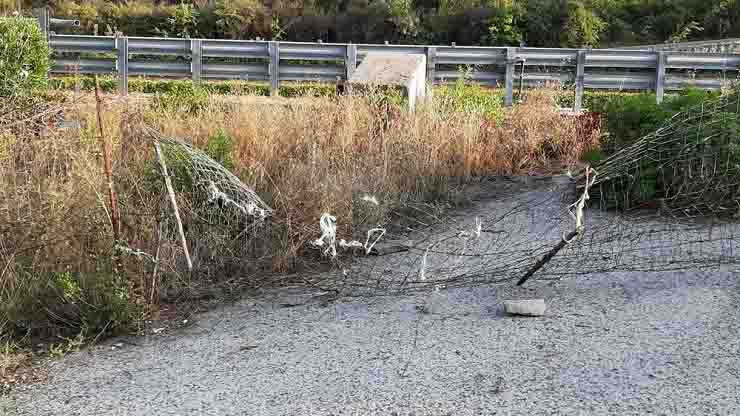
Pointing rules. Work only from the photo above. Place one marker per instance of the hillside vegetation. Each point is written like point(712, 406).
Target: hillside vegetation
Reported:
point(62, 273)
point(545, 23)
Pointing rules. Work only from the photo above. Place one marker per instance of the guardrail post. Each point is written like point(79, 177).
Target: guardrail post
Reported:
point(273, 49)
point(431, 63)
point(122, 65)
point(350, 60)
point(660, 76)
point(509, 81)
point(580, 78)
point(43, 16)
point(196, 56)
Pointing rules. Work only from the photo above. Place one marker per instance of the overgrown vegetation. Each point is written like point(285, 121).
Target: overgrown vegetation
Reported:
point(630, 117)
point(688, 165)
point(160, 86)
point(544, 23)
point(463, 97)
point(24, 56)
point(183, 97)
point(62, 274)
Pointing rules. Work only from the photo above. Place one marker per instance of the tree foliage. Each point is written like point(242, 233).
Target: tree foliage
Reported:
point(183, 23)
point(545, 23)
point(583, 27)
point(235, 18)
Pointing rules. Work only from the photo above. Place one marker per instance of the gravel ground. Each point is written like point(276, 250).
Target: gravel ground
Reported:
point(617, 343)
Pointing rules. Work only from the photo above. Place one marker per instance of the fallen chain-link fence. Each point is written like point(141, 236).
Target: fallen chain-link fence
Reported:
point(670, 201)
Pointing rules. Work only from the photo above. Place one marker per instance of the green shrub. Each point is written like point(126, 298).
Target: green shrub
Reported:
point(154, 86)
point(93, 303)
point(592, 156)
point(593, 101)
point(182, 97)
point(307, 90)
point(220, 148)
point(84, 83)
point(691, 166)
point(24, 56)
point(382, 97)
point(630, 117)
point(73, 303)
point(463, 97)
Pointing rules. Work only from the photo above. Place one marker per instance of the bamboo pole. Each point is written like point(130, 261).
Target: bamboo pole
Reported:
point(108, 166)
point(173, 202)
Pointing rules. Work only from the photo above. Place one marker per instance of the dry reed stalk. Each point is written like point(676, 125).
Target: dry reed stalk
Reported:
point(108, 161)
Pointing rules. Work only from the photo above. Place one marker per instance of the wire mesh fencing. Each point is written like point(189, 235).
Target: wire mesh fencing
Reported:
point(670, 201)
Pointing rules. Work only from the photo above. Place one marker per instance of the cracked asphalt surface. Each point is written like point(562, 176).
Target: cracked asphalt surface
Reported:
point(623, 344)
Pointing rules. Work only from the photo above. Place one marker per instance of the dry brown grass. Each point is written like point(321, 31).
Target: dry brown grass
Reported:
point(57, 265)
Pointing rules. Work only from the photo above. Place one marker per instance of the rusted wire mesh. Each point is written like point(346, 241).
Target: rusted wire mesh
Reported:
point(668, 202)
point(690, 167)
point(671, 201)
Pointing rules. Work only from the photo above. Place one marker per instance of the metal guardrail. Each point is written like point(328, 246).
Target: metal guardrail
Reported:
point(730, 45)
point(46, 21)
point(210, 59)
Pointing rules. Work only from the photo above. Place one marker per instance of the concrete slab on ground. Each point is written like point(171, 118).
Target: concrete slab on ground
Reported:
point(406, 71)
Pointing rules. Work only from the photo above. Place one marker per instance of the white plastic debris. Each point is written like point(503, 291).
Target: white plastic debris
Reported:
point(250, 208)
point(328, 226)
point(371, 199)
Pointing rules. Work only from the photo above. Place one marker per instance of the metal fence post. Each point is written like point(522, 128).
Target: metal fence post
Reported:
point(350, 60)
point(580, 78)
point(431, 63)
point(274, 68)
point(43, 16)
point(196, 55)
point(509, 81)
point(660, 76)
point(431, 52)
point(122, 65)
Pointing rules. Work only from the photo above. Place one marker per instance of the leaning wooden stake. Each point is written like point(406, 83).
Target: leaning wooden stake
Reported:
point(173, 202)
point(156, 264)
point(115, 217)
point(577, 215)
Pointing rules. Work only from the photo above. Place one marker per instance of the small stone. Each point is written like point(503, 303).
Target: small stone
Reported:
point(69, 125)
point(530, 307)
